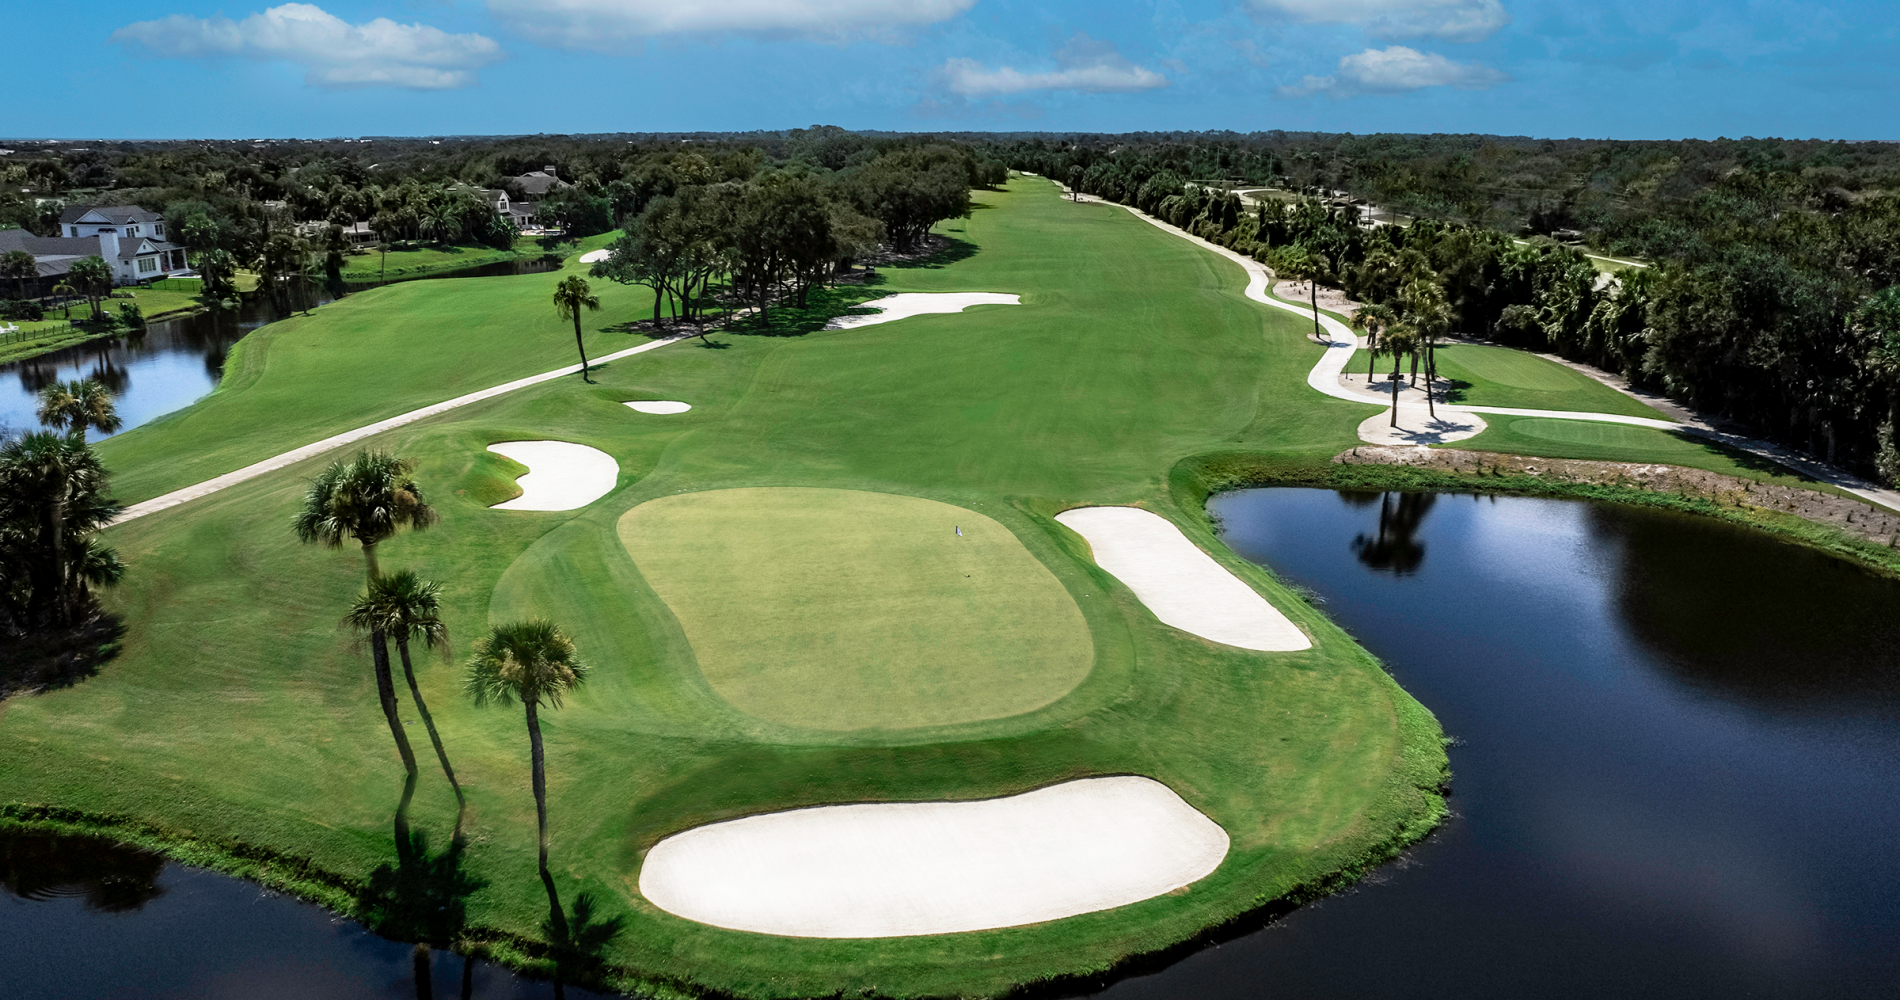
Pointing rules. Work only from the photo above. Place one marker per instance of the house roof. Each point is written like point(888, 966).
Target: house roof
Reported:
point(131, 249)
point(48, 246)
point(538, 182)
point(108, 215)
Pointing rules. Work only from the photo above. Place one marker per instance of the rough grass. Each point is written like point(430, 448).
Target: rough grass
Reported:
point(412, 260)
point(1481, 375)
point(861, 610)
point(239, 722)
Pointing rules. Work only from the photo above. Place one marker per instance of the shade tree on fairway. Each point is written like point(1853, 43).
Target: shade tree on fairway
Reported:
point(571, 297)
point(535, 663)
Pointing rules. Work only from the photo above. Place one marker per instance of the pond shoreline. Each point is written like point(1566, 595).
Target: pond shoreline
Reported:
point(1842, 526)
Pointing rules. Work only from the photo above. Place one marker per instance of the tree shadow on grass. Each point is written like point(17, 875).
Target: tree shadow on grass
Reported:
point(579, 953)
point(1456, 391)
point(46, 661)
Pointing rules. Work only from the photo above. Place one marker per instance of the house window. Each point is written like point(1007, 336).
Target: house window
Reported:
point(148, 264)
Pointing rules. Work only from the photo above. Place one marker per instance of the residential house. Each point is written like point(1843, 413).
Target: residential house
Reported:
point(130, 239)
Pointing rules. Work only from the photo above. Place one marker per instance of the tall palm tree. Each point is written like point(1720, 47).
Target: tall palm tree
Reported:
point(533, 662)
point(571, 296)
point(1428, 312)
point(1301, 264)
point(368, 497)
point(1372, 319)
point(365, 617)
point(1400, 340)
point(78, 405)
point(406, 607)
point(94, 278)
point(66, 292)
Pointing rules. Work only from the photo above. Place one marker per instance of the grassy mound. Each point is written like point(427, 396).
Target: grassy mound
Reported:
point(860, 610)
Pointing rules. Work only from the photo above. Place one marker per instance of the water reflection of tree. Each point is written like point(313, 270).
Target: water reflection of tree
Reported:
point(1396, 549)
point(111, 878)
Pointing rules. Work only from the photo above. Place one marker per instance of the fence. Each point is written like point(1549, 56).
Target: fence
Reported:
point(38, 331)
point(191, 285)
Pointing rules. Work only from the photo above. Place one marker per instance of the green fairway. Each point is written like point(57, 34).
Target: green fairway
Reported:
point(1481, 375)
point(411, 260)
point(859, 610)
point(239, 717)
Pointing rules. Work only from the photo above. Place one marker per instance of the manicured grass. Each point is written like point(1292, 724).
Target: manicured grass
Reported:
point(1481, 375)
point(1554, 438)
point(371, 355)
point(410, 260)
point(862, 610)
point(239, 714)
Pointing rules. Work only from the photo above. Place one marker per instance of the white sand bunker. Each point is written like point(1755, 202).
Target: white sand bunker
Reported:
point(1182, 585)
point(902, 869)
point(561, 475)
point(660, 406)
point(907, 304)
point(596, 256)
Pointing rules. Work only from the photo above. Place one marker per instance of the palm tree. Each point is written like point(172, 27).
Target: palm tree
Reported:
point(1372, 319)
point(1302, 264)
point(571, 296)
point(78, 405)
point(365, 616)
point(21, 267)
point(54, 487)
point(1400, 340)
point(368, 498)
point(1428, 312)
point(66, 292)
point(94, 278)
point(535, 663)
point(406, 607)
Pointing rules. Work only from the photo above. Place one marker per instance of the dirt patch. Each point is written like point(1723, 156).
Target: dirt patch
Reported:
point(1854, 517)
point(1330, 299)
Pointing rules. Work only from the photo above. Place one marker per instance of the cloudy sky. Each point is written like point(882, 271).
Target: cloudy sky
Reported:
point(1616, 68)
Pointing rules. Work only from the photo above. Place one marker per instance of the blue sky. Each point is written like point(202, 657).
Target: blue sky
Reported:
point(1609, 68)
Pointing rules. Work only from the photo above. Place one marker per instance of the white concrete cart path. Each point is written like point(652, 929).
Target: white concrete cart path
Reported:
point(1418, 428)
point(335, 441)
point(899, 869)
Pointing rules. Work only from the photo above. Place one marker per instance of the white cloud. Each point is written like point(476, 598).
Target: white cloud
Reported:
point(1085, 64)
point(333, 52)
point(611, 24)
point(1451, 20)
point(1395, 70)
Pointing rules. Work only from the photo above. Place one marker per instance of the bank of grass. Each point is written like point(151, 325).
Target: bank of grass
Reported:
point(1481, 375)
point(413, 260)
point(57, 331)
point(240, 719)
point(1556, 438)
point(371, 355)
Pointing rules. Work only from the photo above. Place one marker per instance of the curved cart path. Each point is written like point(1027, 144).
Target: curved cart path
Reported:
point(292, 457)
point(1456, 420)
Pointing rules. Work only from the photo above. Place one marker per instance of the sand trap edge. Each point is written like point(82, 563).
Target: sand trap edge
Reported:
point(561, 475)
point(1182, 585)
point(906, 869)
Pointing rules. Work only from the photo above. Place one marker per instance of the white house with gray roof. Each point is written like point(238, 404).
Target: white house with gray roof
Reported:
point(130, 239)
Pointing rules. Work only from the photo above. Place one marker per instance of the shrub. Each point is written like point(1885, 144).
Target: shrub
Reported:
point(26, 309)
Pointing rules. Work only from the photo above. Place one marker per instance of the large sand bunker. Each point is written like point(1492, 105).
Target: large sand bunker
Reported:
point(596, 256)
point(1182, 585)
point(907, 304)
point(902, 869)
point(561, 475)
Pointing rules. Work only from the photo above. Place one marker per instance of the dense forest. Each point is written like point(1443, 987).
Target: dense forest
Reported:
point(1771, 299)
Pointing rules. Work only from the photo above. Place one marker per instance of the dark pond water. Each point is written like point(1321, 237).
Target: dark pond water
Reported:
point(176, 362)
point(1678, 767)
point(83, 919)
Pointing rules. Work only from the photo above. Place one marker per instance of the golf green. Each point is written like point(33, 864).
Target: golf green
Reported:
point(842, 609)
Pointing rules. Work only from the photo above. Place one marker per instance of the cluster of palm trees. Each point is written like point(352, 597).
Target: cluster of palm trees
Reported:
point(54, 496)
point(1412, 329)
point(369, 498)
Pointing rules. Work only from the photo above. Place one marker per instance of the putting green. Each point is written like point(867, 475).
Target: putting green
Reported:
point(1585, 432)
point(843, 609)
